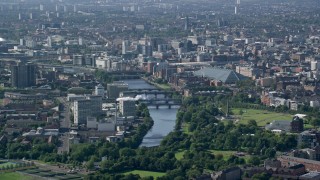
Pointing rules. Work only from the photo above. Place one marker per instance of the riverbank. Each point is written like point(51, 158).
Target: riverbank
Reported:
point(164, 87)
point(163, 125)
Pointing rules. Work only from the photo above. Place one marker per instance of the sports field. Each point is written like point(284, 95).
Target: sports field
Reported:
point(262, 117)
point(15, 176)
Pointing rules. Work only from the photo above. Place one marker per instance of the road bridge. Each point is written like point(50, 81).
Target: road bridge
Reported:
point(155, 92)
point(162, 102)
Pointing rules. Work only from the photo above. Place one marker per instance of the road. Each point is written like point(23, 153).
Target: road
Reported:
point(65, 125)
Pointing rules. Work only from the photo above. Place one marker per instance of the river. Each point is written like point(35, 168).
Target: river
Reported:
point(164, 118)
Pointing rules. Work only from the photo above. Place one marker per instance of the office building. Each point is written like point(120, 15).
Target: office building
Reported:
point(116, 88)
point(78, 59)
point(89, 107)
point(41, 7)
point(23, 75)
point(147, 50)
point(127, 108)
point(125, 45)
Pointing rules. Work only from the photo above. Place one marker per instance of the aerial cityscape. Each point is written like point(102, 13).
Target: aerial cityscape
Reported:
point(160, 89)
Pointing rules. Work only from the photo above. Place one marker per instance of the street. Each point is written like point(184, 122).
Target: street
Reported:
point(64, 125)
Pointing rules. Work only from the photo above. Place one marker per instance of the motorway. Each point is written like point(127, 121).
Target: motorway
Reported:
point(65, 125)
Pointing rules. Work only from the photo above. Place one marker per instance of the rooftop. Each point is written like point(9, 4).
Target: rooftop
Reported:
point(226, 76)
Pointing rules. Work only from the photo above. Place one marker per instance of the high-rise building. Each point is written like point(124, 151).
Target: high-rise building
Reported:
point(116, 88)
point(125, 45)
point(49, 41)
point(147, 50)
point(21, 42)
point(236, 8)
point(23, 75)
point(186, 23)
point(41, 7)
point(80, 41)
point(127, 108)
point(89, 107)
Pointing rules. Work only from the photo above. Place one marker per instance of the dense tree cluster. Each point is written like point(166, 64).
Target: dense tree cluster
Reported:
point(38, 148)
point(206, 133)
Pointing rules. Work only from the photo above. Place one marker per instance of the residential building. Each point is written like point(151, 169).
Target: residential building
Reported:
point(23, 75)
point(99, 91)
point(309, 139)
point(297, 124)
point(228, 174)
point(311, 176)
point(310, 165)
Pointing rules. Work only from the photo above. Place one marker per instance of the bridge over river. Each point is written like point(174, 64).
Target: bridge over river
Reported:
point(161, 102)
point(154, 92)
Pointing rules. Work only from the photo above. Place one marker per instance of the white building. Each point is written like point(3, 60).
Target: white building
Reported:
point(125, 45)
point(103, 63)
point(314, 104)
point(49, 41)
point(105, 125)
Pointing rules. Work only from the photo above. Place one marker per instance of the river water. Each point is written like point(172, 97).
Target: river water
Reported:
point(164, 118)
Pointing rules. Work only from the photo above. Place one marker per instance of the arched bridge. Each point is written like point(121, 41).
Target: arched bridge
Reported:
point(155, 92)
point(162, 102)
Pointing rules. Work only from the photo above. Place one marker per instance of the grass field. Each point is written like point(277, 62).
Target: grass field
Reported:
point(185, 128)
point(261, 116)
point(179, 154)
point(163, 86)
point(146, 173)
point(227, 154)
point(15, 176)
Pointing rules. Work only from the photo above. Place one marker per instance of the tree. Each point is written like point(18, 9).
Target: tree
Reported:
point(262, 176)
point(252, 123)
point(193, 173)
point(126, 152)
point(254, 160)
point(90, 164)
point(241, 113)
point(315, 122)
